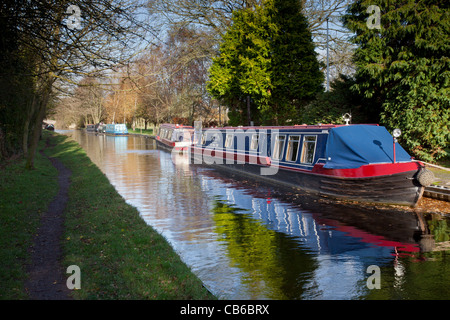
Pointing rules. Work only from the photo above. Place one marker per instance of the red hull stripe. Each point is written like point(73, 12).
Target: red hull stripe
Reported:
point(370, 170)
point(365, 171)
point(166, 142)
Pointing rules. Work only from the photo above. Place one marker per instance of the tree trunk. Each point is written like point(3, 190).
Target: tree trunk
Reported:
point(249, 117)
point(26, 126)
point(37, 128)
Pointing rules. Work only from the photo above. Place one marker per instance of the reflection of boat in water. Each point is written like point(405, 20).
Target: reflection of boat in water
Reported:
point(300, 252)
point(308, 223)
point(361, 163)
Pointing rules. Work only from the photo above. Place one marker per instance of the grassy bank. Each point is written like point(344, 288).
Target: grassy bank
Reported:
point(24, 195)
point(148, 132)
point(119, 255)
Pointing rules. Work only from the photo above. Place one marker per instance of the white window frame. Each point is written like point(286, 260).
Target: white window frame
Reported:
point(276, 148)
point(292, 139)
point(305, 149)
point(254, 142)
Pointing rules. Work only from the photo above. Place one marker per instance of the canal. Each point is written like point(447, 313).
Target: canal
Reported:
point(247, 240)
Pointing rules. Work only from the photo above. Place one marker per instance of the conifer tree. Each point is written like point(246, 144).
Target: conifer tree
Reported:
point(296, 77)
point(242, 70)
point(403, 66)
point(267, 55)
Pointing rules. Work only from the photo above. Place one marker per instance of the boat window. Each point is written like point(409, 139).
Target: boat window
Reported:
point(254, 144)
point(229, 141)
point(169, 136)
point(204, 138)
point(309, 148)
point(292, 149)
point(279, 147)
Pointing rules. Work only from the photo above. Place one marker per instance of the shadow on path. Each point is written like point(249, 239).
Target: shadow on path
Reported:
point(47, 279)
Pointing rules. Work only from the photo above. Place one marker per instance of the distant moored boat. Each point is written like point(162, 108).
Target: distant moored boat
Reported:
point(116, 129)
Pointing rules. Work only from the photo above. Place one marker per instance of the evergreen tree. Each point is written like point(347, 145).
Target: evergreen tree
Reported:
point(267, 55)
point(296, 76)
point(403, 67)
point(242, 70)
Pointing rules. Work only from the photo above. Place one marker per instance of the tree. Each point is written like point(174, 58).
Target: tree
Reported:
point(59, 41)
point(85, 104)
point(296, 73)
point(169, 80)
point(403, 67)
point(266, 57)
point(242, 70)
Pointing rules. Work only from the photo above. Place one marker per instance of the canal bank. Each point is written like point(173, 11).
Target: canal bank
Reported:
point(118, 255)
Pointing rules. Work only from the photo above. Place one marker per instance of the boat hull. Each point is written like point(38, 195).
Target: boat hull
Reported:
point(392, 189)
point(170, 146)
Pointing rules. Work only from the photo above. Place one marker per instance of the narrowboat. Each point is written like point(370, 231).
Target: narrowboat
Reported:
point(101, 128)
point(362, 163)
point(116, 129)
point(90, 127)
point(175, 136)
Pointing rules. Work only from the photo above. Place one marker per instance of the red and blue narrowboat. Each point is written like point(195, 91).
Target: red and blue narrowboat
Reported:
point(361, 163)
point(174, 136)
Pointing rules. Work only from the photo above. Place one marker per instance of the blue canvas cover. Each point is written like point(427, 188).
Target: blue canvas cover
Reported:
point(350, 147)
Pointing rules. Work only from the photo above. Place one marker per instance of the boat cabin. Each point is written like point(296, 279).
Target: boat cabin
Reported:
point(178, 136)
point(305, 147)
point(116, 129)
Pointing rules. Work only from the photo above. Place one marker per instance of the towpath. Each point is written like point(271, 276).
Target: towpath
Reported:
point(442, 176)
point(47, 279)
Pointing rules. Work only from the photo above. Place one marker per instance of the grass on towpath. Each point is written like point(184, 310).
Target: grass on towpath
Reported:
point(146, 132)
point(24, 196)
point(119, 255)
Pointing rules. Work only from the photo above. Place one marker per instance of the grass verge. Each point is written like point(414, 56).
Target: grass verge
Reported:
point(24, 196)
point(148, 132)
point(119, 255)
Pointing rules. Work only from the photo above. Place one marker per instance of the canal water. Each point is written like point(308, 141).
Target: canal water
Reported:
point(248, 240)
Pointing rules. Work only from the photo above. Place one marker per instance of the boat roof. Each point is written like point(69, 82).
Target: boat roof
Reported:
point(353, 146)
point(297, 126)
point(176, 126)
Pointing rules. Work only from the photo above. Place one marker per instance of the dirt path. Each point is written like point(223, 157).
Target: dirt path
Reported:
point(47, 278)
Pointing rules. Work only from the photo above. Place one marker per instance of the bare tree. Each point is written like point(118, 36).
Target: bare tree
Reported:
point(72, 39)
point(214, 17)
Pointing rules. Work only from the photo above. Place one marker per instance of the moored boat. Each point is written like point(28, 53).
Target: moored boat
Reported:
point(116, 129)
point(361, 163)
point(101, 128)
point(175, 136)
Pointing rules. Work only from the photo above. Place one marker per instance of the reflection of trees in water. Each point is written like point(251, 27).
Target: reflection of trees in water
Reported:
point(267, 257)
point(439, 228)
